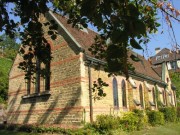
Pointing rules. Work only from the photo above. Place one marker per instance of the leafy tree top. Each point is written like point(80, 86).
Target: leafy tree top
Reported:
point(125, 23)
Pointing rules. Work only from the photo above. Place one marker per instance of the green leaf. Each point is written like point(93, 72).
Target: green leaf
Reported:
point(135, 44)
point(139, 27)
point(133, 10)
point(134, 58)
point(53, 37)
point(50, 32)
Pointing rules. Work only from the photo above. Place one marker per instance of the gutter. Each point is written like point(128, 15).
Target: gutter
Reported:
point(95, 61)
point(90, 93)
point(139, 75)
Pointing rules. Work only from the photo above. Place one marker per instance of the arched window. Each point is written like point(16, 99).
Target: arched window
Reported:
point(141, 95)
point(123, 87)
point(171, 94)
point(167, 79)
point(115, 93)
point(153, 96)
point(164, 97)
point(41, 78)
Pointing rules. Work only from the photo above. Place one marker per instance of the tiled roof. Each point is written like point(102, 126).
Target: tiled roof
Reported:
point(164, 55)
point(158, 70)
point(87, 39)
point(144, 67)
point(83, 38)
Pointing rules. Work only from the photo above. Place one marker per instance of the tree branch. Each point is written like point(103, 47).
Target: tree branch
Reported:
point(163, 10)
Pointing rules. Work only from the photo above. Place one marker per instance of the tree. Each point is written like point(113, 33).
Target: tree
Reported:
point(5, 65)
point(122, 24)
point(175, 77)
point(9, 47)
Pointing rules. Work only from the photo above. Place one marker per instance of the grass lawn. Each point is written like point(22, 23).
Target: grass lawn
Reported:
point(168, 129)
point(5, 65)
point(5, 132)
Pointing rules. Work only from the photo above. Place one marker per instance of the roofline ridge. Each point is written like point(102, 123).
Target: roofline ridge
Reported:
point(62, 26)
point(66, 17)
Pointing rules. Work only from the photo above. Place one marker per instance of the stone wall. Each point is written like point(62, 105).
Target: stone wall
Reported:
point(67, 102)
point(105, 105)
point(63, 106)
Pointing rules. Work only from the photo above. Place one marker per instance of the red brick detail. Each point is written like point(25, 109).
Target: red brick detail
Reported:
point(65, 82)
point(52, 110)
point(55, 47)
point(15, 64)
point(65, 60)
point(53, 64)
point(54, 84)
point(59, 46)
point(66, 126)
point(17, 76)
point(23, 91)
point(73, 109)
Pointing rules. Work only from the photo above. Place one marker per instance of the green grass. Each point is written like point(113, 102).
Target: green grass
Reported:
point(5, 132)
point(5, 65)
point(168, 129)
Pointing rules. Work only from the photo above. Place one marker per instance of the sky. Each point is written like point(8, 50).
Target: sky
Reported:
point(163, 38)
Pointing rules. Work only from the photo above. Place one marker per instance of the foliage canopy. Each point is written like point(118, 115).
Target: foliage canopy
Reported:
point(123, 24)
point(8, 47)
point(5, 65)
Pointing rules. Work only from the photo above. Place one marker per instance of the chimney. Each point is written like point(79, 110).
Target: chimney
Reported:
point(157, 50)
point(150, 61)
point(177, 51)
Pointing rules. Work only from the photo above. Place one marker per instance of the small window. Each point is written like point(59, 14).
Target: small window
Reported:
point(115, 94)
point(164, 97)
point(173, 64)
point(141, 96)
point(124, 99)
point(171, 98)
point(41, 79)
point(153, 96)
point(167, 79)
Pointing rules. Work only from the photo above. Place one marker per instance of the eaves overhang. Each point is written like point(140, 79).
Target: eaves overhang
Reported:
point(94, 61)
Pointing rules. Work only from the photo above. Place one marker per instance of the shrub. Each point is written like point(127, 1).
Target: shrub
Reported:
point(129, 121)
point(155, 118)
point(143, 119)
point(170, 114)
point(2, 126)
point(26, 128)
point(178, 113)
point(106, 122)
point(12, 127)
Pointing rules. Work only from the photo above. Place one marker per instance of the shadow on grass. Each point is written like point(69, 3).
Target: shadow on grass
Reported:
point(5, 132)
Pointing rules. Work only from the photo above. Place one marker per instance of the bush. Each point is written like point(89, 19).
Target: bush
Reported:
point(2, 126)
point(26, 128)
point(170, 114)
point(178, 113)
point(143, 119)
point(106, 122)
point(155, 118)
point(12, 127)
point(129, 121)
